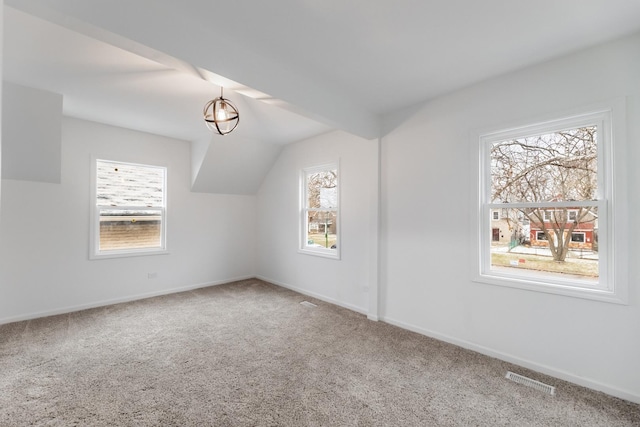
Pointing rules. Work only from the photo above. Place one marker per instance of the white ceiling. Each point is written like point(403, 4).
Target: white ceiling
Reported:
point(294, 68)
point(104, 83)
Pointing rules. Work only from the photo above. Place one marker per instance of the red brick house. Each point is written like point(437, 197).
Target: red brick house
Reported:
point(583, 236)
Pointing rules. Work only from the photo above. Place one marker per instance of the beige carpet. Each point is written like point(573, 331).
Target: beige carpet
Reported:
point(248, 354)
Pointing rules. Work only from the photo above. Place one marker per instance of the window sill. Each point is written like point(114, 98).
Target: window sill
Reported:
point(570, 288)
point(127, 253)
point(321, 252)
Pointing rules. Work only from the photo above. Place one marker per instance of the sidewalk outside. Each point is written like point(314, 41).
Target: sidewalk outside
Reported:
point(533, 250)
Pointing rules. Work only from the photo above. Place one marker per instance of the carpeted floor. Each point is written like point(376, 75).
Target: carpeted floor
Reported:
point(248, 354)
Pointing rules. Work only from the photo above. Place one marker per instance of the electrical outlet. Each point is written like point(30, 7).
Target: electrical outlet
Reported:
point(152, 275)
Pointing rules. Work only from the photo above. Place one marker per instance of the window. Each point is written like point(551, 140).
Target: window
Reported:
point(129, 209)
point(553, 184)
point(496, 215)
point(319, 211)
point(578, 237)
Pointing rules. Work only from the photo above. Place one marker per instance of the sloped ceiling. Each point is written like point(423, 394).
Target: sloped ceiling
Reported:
point(297, 68)
point(106, 83)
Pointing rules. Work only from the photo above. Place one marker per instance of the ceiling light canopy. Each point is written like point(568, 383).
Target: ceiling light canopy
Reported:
point(221, 115)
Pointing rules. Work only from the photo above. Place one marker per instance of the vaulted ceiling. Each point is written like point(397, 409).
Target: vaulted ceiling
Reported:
point(294, 68)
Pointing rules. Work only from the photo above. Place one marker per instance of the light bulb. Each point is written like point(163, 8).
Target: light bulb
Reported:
point(221, 114)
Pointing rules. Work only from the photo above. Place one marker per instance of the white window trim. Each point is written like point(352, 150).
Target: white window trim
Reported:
point(613, 280)
point(493, 215)
point(304, 218)
point(582, 233)
point(94, 221)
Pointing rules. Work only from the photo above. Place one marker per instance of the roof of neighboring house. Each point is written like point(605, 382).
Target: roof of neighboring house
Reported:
point(119, 184)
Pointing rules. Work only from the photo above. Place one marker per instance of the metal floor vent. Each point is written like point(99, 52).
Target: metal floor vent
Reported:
point(308, 304)
point(531, 383)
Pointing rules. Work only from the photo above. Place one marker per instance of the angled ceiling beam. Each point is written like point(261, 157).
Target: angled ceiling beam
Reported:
point(150, 29)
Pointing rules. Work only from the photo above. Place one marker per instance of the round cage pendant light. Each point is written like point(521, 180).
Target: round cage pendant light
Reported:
point(221, 115)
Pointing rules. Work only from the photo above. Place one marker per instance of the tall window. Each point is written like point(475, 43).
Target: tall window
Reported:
point(552, 181)
point(130, 209)
point(319, 213)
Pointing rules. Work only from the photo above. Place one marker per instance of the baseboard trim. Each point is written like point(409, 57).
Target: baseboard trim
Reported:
point(315, 295)
point(103, 303)
point(534, 366)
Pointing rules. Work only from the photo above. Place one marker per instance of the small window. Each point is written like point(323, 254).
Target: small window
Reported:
point(320, 217)
point(547, 215)
point(496, 215)
point(129, 209)
point(578, 237)
point(573, 215)
point(540, 235)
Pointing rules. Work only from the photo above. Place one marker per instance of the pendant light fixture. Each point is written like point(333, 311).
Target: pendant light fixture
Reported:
point(221, 115)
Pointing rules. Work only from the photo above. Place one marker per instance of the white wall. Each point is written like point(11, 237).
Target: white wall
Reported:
point(1, 95)
point(346, 281)
point(44, 230)
point(427, 237)
point(32, 133)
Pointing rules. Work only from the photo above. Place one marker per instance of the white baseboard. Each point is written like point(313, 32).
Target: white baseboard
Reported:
point(315, 295)
point(547, 370)
point(128, 298)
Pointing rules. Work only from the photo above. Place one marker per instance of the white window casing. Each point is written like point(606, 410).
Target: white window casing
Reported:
point(578, 236)
point(128, 209)
point(609, 204)
point(319, 225)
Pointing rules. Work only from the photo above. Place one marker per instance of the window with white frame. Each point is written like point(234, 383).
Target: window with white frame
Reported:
point(553, 181)
point(540, 235)
point(495, 215)
point(129, 212)
point(319, 222)
point(578, 237)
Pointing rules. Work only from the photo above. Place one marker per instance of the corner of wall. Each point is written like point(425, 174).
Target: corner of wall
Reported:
point(199, 150)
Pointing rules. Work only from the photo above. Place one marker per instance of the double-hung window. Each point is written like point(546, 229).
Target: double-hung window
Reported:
point(319, 221)
point(129, 214)
point(553, 183)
